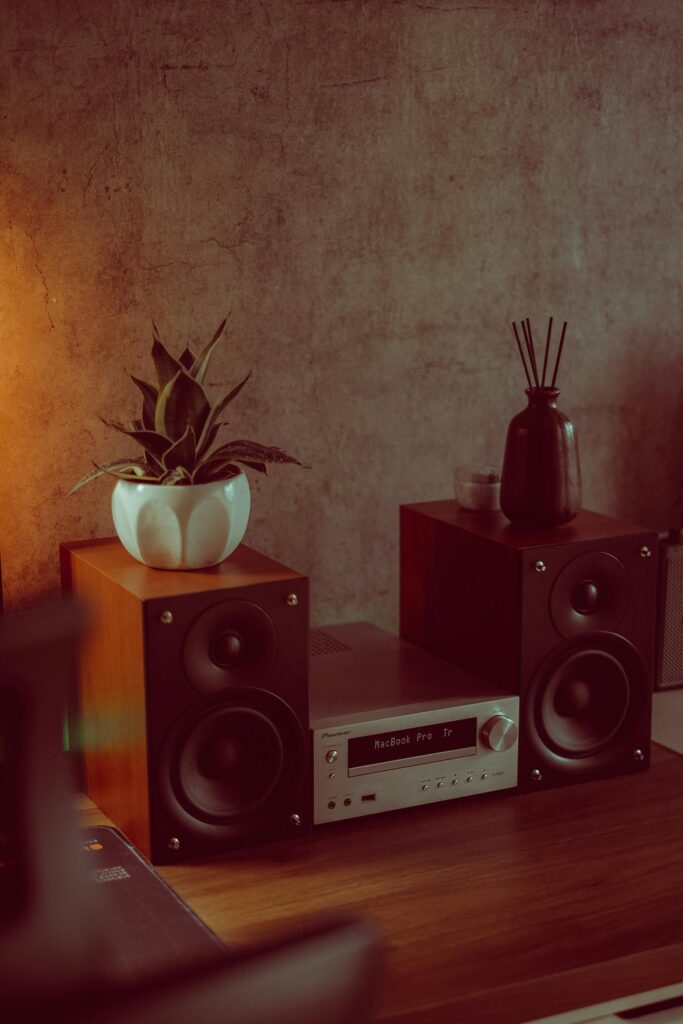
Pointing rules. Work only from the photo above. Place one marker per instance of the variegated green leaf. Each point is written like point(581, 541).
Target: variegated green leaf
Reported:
point(182, 454)
point(179, 475)
point(135, 475)
point(253, 451)
point(154, 465)
point(212, 418)
point(208, 439)
point(149, 401)
point(166, 366)
point(152, 441)
point(182, 403)
point(116, 467)
point(201, 363)
point(187, 358)
point(214, 469)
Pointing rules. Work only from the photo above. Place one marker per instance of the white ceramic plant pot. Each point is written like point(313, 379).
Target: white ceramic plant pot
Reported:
point(181, 527)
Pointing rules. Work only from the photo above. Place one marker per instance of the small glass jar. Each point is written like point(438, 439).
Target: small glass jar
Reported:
point(477, 487)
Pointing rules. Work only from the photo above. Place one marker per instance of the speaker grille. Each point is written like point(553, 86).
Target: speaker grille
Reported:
point(323, 643)
point(670, 654)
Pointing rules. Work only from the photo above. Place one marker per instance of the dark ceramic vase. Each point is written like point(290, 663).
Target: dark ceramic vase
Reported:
point(541, 480)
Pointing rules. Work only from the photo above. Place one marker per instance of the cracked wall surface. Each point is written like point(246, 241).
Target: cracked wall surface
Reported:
point(375, 190)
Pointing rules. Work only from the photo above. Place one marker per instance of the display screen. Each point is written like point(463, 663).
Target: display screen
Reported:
point(449, 738)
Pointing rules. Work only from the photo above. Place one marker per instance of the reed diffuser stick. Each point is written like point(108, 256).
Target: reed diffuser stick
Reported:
point(559, 355)
point(521, 353)
point(526, 327)
point(547, 350)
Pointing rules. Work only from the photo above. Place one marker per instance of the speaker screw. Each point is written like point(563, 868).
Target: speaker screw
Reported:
point(540, 566)
point(638, 754)
point(174, 843)
point(292, 600)
point(166, 618)
point(295, 820)
point(645, 551)
point(536, 776)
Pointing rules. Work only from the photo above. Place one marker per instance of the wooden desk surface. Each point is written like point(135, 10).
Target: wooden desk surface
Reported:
point(495, 910)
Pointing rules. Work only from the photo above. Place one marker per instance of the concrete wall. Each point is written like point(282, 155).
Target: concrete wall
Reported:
point(376, 190)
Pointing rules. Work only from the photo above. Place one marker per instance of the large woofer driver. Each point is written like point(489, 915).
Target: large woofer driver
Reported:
point(232, 643)
point(230, 761)
point(583, 703)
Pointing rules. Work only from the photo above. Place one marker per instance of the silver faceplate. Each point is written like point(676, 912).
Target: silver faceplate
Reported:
point(340, 792)
point(366, 681)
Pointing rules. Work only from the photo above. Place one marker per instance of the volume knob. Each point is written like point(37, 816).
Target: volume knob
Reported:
point(499, 733)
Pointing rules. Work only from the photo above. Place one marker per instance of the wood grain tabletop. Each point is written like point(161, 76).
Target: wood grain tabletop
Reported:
point(493, 910)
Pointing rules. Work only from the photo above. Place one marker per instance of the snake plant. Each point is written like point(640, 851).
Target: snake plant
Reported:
point(179, 425)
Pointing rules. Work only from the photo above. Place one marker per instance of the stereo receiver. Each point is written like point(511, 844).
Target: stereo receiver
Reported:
point(394, 726)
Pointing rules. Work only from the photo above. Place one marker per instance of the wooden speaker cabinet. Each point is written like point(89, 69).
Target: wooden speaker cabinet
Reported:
point(563, 617)
point(193, 691)
point(669, 659)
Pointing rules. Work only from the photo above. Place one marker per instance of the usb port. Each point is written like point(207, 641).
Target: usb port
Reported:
point(368, 796)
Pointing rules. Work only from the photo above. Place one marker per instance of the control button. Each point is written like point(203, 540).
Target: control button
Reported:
point(499, 733)
point(331, 804)
point(331, 756)
point(469, 777)
point(347, 801)
point(454, 782)
point(332, 775)
point(484, 775)
point(439, 785)
point(425, 787)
